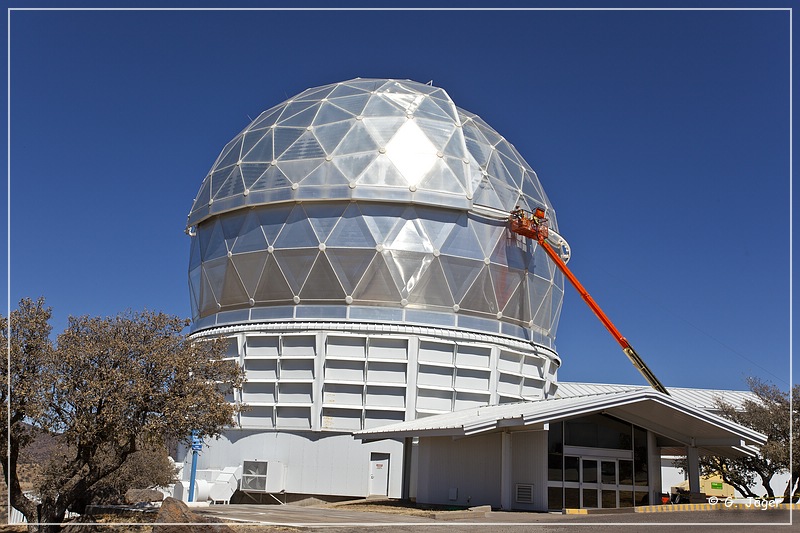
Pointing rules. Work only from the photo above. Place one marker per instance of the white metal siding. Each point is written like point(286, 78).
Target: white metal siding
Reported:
point(470, 464)
point(529, 457)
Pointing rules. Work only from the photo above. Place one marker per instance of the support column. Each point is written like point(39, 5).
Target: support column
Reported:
point(693, 461)
point(506, 471)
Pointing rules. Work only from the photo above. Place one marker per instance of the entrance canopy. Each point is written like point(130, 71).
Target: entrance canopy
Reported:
point(675, 423)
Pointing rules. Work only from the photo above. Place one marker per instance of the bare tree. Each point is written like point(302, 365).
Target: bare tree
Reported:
point(768, 413)
point(107, 386)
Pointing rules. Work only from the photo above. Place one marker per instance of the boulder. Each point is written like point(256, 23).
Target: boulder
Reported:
point(174, 513)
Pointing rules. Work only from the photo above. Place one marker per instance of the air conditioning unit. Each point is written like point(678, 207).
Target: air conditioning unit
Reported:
point(524, 492)
point(263, 476)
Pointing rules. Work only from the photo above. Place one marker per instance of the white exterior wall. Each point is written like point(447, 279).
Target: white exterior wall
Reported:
point(471, 465)
point(470, 468)
point(529, 459)
point(323, 464)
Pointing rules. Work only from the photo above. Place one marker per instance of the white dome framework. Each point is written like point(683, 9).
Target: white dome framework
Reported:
point(361, 194)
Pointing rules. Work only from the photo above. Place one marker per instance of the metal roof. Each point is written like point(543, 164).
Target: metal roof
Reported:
point(666, 416)
point(698, 398)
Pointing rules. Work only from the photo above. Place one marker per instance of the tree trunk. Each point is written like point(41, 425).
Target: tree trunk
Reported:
point(765, 482)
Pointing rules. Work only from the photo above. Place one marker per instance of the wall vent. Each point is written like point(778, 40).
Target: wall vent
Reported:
point(254, 476)
point(524, 493)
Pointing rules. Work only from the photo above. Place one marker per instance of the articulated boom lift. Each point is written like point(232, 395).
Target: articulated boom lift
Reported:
point(534, 226)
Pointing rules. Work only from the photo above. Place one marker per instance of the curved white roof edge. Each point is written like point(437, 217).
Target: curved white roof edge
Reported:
point(644, 407)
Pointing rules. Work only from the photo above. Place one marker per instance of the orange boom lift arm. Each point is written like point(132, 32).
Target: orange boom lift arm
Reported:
point(535, 226)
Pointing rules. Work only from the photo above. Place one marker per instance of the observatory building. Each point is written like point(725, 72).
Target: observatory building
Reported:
point(352, 244)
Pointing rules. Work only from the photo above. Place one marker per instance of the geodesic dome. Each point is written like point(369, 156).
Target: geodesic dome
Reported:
point(355, 201)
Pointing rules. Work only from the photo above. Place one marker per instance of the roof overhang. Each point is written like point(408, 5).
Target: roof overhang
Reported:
point(675, 423)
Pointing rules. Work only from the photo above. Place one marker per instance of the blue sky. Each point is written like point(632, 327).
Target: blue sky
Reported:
point(661, 137)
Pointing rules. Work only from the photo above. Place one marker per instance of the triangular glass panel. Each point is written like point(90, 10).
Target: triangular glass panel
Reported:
point(460, 274)
point(518, 307)
point(285, 137)
point(350, 265)
point(195, 279)
point(437, 131)
point(505, 282)
point(351, 231)
point(461, 241)
point(293, 108)
point(497, 169)
point(261, 149)
point(272, 220)
point(273, 178)
point(233, 186)
point(437, 223)
point(378, 107)
point(365, 84)
point(407, 268)
point(194, 253)
point(460, 172)
point(267, 118)
point(441, 178)
point(231, 227)
point(508, 152)
point(325, 174)
point(323, 218)
point(251, 172)
point(329, 113)
point(272, 287)
point(381, 219)
point(427, 109)
point(357, 140)
point(514, 171)
point(297, 232)
point(382, 129)
point(218, 179)
point(344, 90)
point(492, 136)
point(351, 104)
point(508, 197)
point(480, 297)
point(302, 119)
point(405, 102)
point(382, 172)
point(456, 146)
point(306, 147)
point(486, 196)
point(409, 235)
point(232, 289)
point(512, 251)
point(315, 93)
point(251, 238)
point(330, 135)
point(205, 193)
point(530, 189)
point(544, 312)
point(480, 151)
point(322, 283)
point(295, 265)
point(233, 156)
point(214, 272)
point(432, 288)
point(488, 234)
point(353, 165)
point(226, 151)
point(297, 171)
point(208, 301)
point(447, 107)
point(377, 285)
point(212, 241)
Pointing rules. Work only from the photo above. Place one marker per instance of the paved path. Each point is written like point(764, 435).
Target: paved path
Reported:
point(338, 520)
